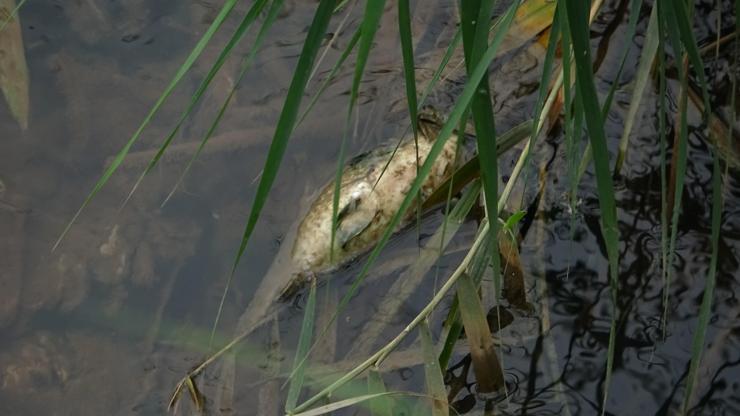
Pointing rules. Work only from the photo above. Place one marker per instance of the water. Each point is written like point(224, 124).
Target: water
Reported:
point(110, 321)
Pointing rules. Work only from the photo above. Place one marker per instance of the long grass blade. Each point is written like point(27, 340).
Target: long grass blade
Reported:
point(370, 21)
point(184, 68)
point(332, 73)
point(241, 30)
point(441, 67)
point(304, 342)
point(681, 18)
point(647, 57)
point(664, 228)
point(547, 66)
point(631, 30)
point(409, 75)
point(266, 25)
point(635, 6)
point(287, 119)
point(475, 16)
point(705, 310)
point(579, 28)
point(407, 53)
point(667, 20)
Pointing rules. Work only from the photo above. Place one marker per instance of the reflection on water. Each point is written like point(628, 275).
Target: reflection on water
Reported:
point(108, 322)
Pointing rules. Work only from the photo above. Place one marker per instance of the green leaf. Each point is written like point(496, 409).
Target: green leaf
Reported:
point(475, 17)
point(513, 220)
point(382, 405)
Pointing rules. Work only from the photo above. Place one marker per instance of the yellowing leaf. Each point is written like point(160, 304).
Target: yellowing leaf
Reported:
point(13, 69)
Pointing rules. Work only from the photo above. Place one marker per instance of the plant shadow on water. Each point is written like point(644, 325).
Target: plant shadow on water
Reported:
point(108, 322)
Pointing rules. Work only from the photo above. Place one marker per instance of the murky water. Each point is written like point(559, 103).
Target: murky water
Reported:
point(111, 320)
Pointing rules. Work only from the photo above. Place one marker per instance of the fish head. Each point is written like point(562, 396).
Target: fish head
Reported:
point(429, 122)
point(357, 208)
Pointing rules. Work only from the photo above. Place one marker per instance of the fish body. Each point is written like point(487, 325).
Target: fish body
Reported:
point(373, 186)
point(372, 189)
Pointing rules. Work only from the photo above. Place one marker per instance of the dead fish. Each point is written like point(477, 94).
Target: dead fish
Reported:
point(373, 186)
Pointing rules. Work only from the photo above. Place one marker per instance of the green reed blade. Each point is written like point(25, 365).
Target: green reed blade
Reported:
point(325, 83)
point(547, 69)
point(442, 65)
point(301, 353)
point(370, 21)
point(287, 119)
point(681, 18)
point(667, 20)
point(635, 6)
point(184, 68)
point(647, 57)
point(272, 14)
point(578, 22)
point(409, 74)
point(241, 30)
point(475, 16)
point(634, 15)
point(407, 52)
point(705, 310)
point(662, 114)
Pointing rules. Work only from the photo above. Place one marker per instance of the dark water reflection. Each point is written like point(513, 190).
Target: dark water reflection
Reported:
point(110, 321)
